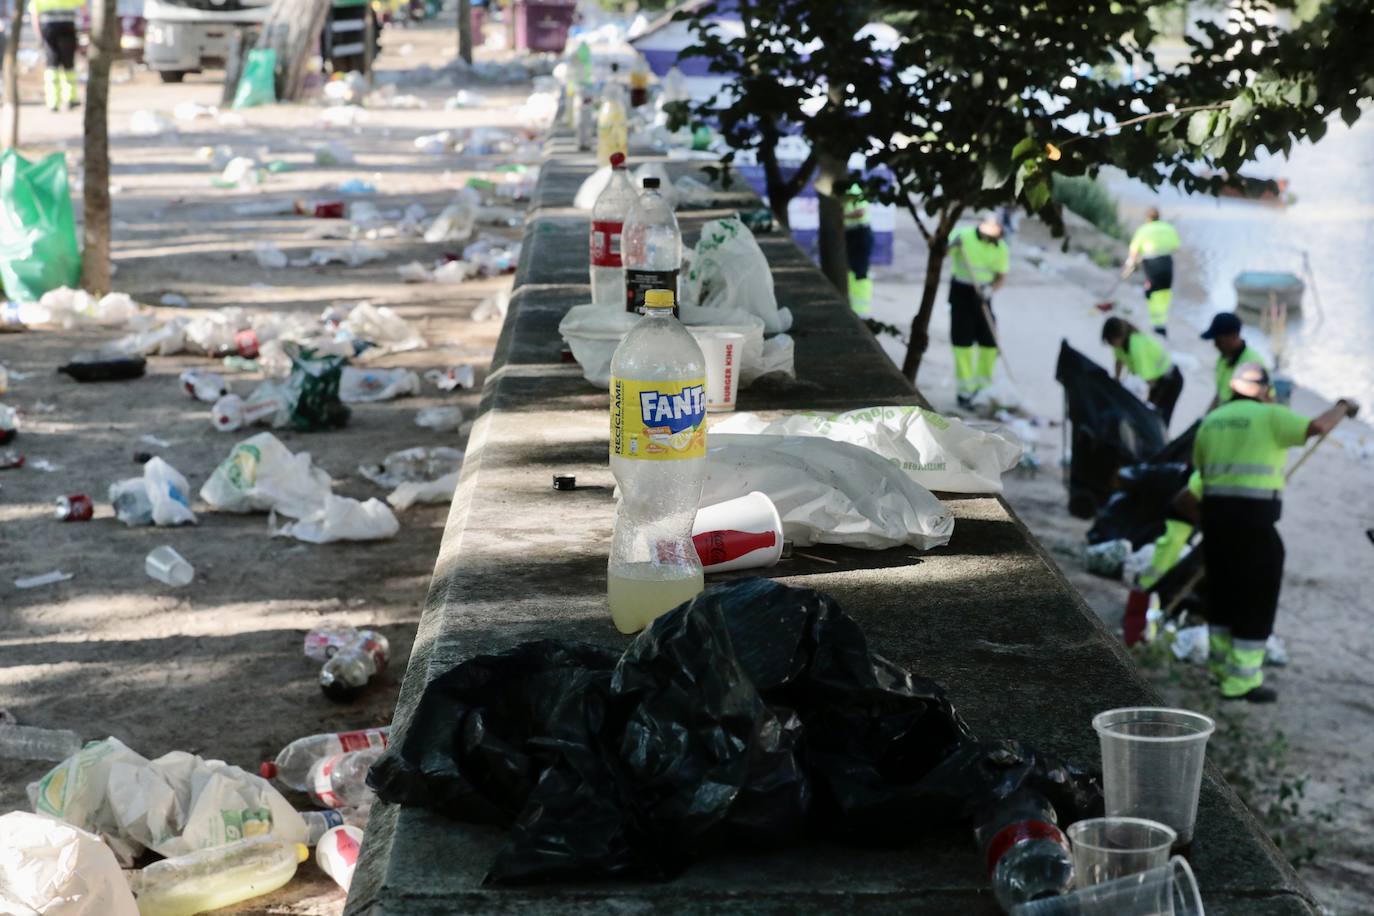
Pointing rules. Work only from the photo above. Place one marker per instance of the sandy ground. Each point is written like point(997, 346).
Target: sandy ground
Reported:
point(216, 668)
point(1325, 706)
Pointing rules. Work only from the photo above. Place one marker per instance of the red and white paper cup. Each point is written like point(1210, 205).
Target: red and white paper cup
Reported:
point(741, 533)
point(723, 350)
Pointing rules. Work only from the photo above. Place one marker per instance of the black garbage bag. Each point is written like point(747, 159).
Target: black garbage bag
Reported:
point(754, 713)
point(1138, 510)
point(1111, 428)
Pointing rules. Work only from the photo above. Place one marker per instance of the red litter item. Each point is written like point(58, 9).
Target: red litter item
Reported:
point(321, 209)
point(74, 508)
point(10, 460)
point(1137, 609)
point(247, 343)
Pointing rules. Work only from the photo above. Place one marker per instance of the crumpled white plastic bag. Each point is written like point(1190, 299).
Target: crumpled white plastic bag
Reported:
point(939, 453)
point(366, 385)
point(728, 270)
point(383, 327)
point(168, 492)
point(426, 491)
point(344, 519)
point(49, 868)
point(175, 804)
point(591, 188)
point(827, 492)
point(263, 475)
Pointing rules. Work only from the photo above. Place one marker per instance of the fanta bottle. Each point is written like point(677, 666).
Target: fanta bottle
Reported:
point(658, 456)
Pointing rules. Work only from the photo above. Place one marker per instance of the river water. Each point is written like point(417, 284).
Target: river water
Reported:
point(1330, 218)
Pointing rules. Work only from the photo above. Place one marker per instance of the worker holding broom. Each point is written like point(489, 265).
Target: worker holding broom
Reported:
point(1153, 247)
point(1240, 453)
point(979, 261)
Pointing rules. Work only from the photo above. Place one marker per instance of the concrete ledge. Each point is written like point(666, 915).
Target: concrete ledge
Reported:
point(989, 616)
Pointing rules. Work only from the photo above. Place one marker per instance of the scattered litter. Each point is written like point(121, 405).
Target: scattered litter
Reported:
point(264, 208)
point(174, 300)
point(343, 519)
point(203, 386)
point(241, 172)
point(269, 255)
point(166, 339)
point(43, 464)
point(343, 116)
point(335, 152)
point(262, 475)
point(168, 567)
point(367, 385)
point(440, 419)
point(144, 123)
point(51, 867)
point(154, 440)
point(383, 327)
point(1108, 558)
point(11, 460)
point(192, 111)
point(354, 255)
point(408, 494)
point(103, 368)
point(435, 144)
point(357, 186)
point(1190, 644)
point(337, 853)
point(414, 465)
point(453, 377)
point(415, 272)
point(49, 578)
point(464, 99)
point(456, 221)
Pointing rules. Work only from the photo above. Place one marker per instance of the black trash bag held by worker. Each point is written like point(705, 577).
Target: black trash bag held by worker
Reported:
point(752, 714)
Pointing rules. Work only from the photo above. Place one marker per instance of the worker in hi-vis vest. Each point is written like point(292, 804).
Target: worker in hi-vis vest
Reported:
point(1240, 452)
point(1145, 357)
point(55, 23)
point(1232, 350)
point(1153, 247)
point(858, 243)
point(979, 261)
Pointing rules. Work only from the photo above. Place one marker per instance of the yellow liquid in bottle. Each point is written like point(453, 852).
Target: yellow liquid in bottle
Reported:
point(638, 594)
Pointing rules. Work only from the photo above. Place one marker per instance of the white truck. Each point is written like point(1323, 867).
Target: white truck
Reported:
point(186, 36)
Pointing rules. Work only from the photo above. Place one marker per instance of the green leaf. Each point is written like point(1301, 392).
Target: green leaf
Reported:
point(1027, 147)
point(1200, 126)
point(1350, 113)
point(1038, 193)
point(1242, 107)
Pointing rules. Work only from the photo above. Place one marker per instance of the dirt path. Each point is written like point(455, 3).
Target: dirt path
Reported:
point(216, 668)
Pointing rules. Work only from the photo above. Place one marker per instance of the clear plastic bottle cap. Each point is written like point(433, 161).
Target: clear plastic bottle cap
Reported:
point(658, 299)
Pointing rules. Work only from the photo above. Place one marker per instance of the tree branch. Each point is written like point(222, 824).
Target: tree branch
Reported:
point(1152, 116)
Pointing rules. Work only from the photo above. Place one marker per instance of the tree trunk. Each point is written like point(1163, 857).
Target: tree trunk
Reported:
point(919, 339)
point(95, 256)
point(465, 30)
point(831, 188)
point(292, 29)
point(16, 32)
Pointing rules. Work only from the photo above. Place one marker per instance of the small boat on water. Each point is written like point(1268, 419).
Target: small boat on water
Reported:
point(1258, 290)
point(1276, 194)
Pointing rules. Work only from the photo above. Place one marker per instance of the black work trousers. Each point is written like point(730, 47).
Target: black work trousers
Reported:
point(1244, 564)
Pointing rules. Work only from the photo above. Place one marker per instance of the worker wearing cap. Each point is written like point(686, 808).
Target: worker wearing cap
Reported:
point(858, 242)
point(1145, 357)
point(1224, 333)
point(55, 23)
point(1241, 451)
point(979, 261)
point(1153, 247)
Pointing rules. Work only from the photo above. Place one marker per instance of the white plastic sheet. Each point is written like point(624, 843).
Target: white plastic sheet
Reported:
point(48, 868)
point(343, 519)
point(827, 492)
point(366, 385)
point(168, 492)
point(728, 270)
point(939, 453)
point(383, 327)
point(426, 491)
point(263, 475)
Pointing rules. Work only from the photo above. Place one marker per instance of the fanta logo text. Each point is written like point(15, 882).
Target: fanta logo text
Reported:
point(687, 404)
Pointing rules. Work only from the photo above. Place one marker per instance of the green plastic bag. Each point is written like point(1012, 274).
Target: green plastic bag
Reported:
point(258, 84)
point(38, 249)
point(312, 389)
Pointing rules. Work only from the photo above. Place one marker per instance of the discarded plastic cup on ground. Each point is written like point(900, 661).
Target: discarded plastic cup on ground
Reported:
point(169, 567)
point(1107, 848)
point(1169, 890)
point(337, 853)
point(722, 350)
point(740, 533)
point(1152, 764)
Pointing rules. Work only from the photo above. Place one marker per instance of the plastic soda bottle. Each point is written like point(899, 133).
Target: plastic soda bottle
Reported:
point(658, 457)
point(612, 207)
point(341, 781)
point(208, 879)
point(651, 248)
point(293, 765)
point(1026, 853)
point(612, 124)
point(352, 667)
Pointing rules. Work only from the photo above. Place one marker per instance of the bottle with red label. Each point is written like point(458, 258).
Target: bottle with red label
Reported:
point(292, 766)
point(1026, 853)
point(608, 219)
point(351, 669)
point(341, 781)
point(652, 243)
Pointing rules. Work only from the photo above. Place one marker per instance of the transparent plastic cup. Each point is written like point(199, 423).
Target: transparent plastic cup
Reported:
point(169, 567)
point(1107, 848)
point(1152, 764)
point(1169, 890)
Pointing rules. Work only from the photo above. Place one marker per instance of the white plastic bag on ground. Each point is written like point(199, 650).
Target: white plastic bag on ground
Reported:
point(165, 340)
point(827, 492)
point(728, 270)
point(413, 465)
point(440, 419)
point(426, 491)
point(939, 453)
point(366, 385)
point(269, 255)
point(77, 791)
point(383, 327)
point(456, 221)
point(168, 492)
point(263, 475)
point(51, 868)
point(344, 519)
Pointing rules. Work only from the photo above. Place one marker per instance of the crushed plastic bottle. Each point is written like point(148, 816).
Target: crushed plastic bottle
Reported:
point(27, 742)
point(208, 879)
point(324, 640)
point(341, 781)
point(652, 248)
point(204, 386)
point(609, 213)
point(337, 853)
point(346, 675)
point(292, 765)
point(1027, 854)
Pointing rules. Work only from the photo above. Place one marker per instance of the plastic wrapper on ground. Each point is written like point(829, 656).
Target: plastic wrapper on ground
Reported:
point(343, 519)
point(262, 475)
point(55, 869)
point(753, 714)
